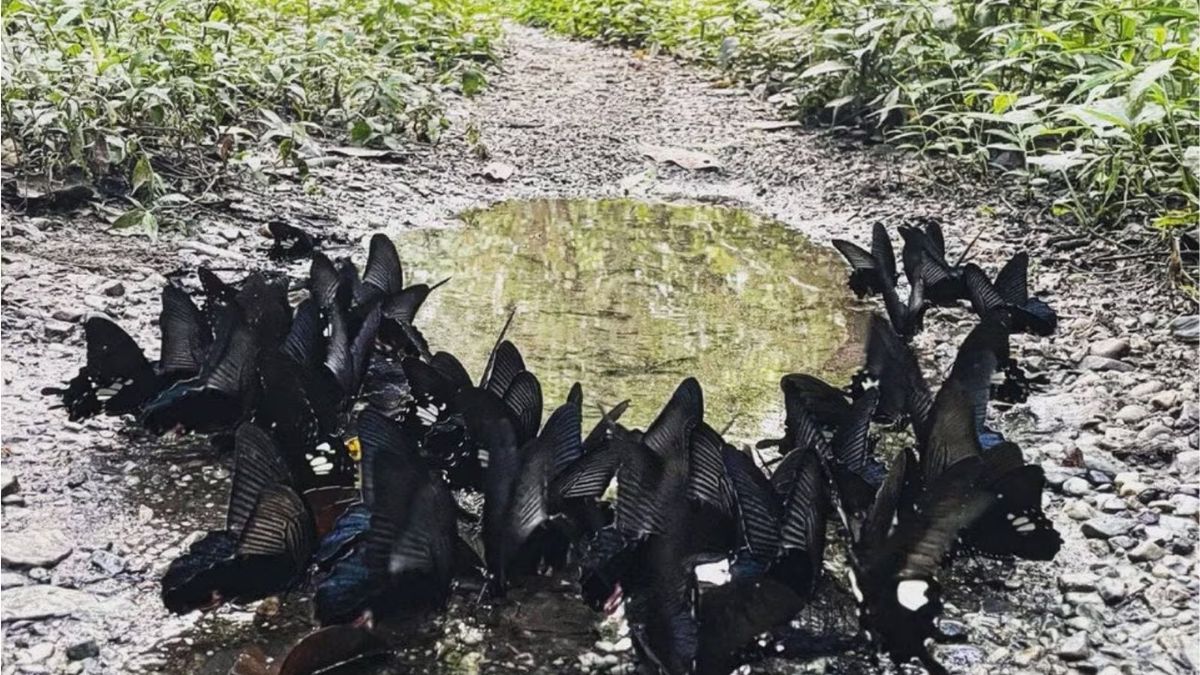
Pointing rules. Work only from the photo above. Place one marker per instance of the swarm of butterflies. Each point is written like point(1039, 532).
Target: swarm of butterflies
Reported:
point(361, 457)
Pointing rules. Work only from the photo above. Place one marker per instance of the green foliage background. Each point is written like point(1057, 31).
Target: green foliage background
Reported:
point(143, 88)
point(1095, 100)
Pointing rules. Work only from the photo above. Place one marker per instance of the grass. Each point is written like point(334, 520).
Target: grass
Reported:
point(143, 97)
point(1093, 102)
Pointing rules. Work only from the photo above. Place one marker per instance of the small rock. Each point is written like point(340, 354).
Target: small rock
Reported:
point(1131, 489)
point(1102, 363)
point(1147, 551)
point(1078, 581)
point(8, 483)
point(83, 650)
point(72, 315)
point(58, 330)
point(1112, 348)
point(42, 601)
point(1132, 414)
point(1075, 648)
point(35, 548)
point(1111, 590)
point(1184, 505)
point(145, 514)
point(113, 289)
point(13, 579)
point(1125, 477)
point(38, 653)
point(1105, 527)
point(1076, 486)
point(1112, 504)
point(1188, 462)
point(1146, 389)
point(1189, 411)
point(1164, 400)
point(1027, 656)
point(108, 562)
point(1186, 328)
point(1079, 510)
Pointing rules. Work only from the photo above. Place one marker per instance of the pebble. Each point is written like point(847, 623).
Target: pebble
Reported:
point(38, 653)
point(42, 601)
point(1102, 363)
point(1105, 527)
point(1146, 389)
point(83, 650)
point(1186, 328)
point(1075, 648)
point(58, 330)
point(1076, 486)
point(13, 579)
point(1147, 551)
point(1078, 581)
point(1112, 348)
point(1132, 414)
point(108, 562)
point(1079, 510)
point(1111, 590)
point(1188, 462)
point(1164, 400)
point(8, 483)
point(35, 548)
point(113, 289)
point(1184, 505)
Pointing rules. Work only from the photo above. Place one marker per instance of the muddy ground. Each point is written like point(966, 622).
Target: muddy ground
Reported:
point(1116, 428)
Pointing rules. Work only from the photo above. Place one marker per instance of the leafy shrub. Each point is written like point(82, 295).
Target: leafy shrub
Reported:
point(1098, 99)
point(142, 88)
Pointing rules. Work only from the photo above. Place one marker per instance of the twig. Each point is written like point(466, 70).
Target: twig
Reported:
point(212, 250)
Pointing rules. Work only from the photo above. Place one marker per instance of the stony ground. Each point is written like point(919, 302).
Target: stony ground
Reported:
point(92, 512)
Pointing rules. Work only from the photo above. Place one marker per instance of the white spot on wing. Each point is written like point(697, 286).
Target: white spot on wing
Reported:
point(910, 593)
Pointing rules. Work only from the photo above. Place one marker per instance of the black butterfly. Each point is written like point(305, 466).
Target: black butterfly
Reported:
point(265, 546)
point(1010, 291)
point(118, 378)
point(870, 272)
point(395, 551)
point(290, 242)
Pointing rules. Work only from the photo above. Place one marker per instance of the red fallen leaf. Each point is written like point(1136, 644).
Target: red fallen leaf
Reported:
point(328, 504)
point(321, 651)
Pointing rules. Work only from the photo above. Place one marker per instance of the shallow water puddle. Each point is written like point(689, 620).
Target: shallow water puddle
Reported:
point(628, 298)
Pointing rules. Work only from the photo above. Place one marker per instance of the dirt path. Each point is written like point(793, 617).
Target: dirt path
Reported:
point(570, 117)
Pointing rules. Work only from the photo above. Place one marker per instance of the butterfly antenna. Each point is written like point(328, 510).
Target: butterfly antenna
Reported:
point(963, 256)
point(487, 371)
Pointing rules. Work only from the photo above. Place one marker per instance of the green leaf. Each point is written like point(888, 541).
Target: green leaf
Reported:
point(137, 221)
point(824, 68)
point(143, 174)
point(1149, 75)
point(360, 131)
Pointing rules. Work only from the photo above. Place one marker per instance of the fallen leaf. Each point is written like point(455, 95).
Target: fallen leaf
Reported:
point(772, 125)
point(326, 649)
point(498, 171)
point(692, 160)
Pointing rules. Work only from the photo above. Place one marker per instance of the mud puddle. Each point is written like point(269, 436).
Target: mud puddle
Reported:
point(625, 297)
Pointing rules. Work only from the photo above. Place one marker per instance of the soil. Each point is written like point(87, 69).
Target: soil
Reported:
point(572, 118)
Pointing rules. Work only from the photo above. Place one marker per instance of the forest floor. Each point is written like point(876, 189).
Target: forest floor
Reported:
point(92, 513)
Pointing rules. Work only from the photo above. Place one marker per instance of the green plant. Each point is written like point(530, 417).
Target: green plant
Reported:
point(1096, 102)
point(153, 94)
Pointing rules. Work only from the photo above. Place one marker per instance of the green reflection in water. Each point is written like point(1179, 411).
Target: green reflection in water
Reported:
point(630, 297)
